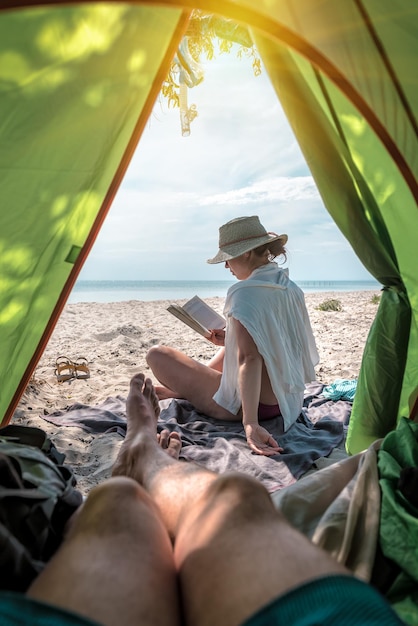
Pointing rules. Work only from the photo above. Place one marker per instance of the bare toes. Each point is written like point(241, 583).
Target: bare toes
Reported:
point(137, 382)
point(170, 442)
point(174, 445)
point(163, 438)
point(151, 396)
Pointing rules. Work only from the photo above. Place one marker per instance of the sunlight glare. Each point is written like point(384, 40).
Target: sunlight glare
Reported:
point(99, 26)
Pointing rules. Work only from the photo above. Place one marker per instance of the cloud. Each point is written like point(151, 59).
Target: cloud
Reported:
point(240, 159)
point(282, 189)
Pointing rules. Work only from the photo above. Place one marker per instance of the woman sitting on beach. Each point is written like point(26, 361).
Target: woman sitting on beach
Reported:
point(268, 350)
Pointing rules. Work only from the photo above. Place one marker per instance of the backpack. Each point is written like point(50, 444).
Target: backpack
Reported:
point(37, 497)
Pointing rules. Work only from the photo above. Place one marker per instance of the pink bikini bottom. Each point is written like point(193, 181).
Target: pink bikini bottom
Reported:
point(267, 411)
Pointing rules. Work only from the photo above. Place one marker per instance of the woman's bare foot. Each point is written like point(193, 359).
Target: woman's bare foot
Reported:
point(164, 393)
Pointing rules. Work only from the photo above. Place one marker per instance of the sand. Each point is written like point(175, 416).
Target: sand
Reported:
point(115, 337)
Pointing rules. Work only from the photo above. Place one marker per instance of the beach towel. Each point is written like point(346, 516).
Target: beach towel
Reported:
point(221, 446)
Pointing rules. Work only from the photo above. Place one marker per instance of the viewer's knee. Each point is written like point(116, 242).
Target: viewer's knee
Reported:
point(115, 490)
point(108, 504)
point(244, 495)
point(232, 501)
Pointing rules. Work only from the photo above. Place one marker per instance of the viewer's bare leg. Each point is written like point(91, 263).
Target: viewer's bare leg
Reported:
point(233, 550)
point(116, 565)
point(183, 377)
point(142, 458)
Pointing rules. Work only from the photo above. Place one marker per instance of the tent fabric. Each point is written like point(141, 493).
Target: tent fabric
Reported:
point(77, 83)
point(359, 217)
point(398, 531)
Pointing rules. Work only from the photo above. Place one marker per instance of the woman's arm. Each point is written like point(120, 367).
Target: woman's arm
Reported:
point(217, 337)
point(249, 380)
point(249, 374)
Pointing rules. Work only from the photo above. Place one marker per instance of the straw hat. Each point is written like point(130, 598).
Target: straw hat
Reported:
point(244, 234)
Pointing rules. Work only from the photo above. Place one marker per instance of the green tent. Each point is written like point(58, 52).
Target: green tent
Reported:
point(77, 84)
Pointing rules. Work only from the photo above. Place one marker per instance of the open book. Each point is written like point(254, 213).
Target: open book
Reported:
point(198, 315)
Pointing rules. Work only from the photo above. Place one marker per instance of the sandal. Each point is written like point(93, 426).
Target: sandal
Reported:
point(81, 368)
point(64, 369)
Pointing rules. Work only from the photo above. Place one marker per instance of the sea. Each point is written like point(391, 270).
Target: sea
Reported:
point(148, 290)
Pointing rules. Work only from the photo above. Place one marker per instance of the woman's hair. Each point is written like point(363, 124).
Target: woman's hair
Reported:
point(264, 250)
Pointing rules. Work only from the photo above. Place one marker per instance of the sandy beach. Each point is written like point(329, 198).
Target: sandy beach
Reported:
point(115, 337)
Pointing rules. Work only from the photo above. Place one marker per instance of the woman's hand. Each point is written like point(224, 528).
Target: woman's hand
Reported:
point(260, 440)
point(217, 336)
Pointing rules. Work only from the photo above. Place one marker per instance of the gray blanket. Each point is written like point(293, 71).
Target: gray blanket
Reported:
point(221, 446)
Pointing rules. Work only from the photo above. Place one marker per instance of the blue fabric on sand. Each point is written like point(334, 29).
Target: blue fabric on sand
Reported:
point(340, 389)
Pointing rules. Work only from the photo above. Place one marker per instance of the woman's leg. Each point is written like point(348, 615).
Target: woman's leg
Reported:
point(183, 377)
point(217, 361)
point(116, 565)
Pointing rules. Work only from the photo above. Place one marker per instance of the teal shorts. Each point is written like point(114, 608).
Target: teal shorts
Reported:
point(17, 609)
point(329, 601)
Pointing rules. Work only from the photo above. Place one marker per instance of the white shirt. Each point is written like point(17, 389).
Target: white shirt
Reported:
point(272, 309)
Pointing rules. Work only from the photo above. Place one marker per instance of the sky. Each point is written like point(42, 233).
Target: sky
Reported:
point(241, 158)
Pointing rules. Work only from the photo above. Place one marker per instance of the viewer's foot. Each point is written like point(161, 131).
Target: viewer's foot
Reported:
point(170, 442)
point(142, 412)
point(142, 408)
